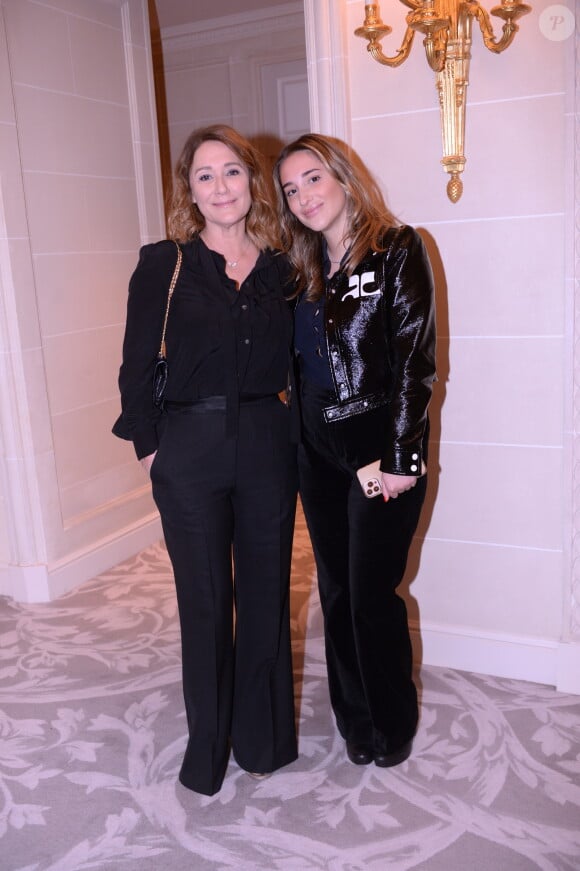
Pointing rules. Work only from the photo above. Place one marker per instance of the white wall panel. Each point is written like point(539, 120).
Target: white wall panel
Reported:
point(79, 192)
point(489, 581)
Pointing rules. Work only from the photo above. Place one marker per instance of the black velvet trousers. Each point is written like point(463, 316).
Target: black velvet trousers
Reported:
point(227, 507)
point(360, 547)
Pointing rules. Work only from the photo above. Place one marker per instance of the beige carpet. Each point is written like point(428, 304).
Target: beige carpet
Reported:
point(92, 731)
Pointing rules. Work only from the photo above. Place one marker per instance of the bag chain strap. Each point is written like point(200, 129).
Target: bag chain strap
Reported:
point(174, 278)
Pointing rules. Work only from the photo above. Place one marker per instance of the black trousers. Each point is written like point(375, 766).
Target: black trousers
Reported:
point(360, 547)
point(221, 498)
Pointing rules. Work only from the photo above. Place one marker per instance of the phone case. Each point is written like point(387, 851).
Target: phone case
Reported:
point(370, 479)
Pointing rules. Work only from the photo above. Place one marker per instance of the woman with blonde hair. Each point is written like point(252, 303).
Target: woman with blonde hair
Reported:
point(218, 450)
point(365, 346)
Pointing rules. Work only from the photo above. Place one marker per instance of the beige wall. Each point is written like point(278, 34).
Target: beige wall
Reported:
point(79, 192)
point(493, 580)
point(490, 582)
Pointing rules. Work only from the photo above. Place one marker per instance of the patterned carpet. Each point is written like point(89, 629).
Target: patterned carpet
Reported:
point(92, 731)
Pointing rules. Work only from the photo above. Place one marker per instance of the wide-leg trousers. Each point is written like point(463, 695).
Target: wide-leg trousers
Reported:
point(225, 500)
point(360, 547)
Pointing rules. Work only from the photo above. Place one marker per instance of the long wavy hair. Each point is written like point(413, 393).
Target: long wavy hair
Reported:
point(184, 219)
point(367, 216)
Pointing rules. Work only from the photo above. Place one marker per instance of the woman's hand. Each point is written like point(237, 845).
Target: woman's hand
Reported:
point(394, 485)
point(147, 462)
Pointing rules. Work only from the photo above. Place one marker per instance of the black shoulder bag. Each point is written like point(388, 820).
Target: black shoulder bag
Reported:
point(160, 371)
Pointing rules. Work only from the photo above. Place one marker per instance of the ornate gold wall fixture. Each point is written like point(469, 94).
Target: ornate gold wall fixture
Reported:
point(446, 25)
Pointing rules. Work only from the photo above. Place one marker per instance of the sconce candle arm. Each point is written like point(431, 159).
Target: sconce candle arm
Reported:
point(509, 12)
point(373, 30)
point(375, 49)
point(435, 55)
point(436, 29)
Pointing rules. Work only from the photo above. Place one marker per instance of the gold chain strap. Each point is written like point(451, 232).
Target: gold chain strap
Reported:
point(174, 278)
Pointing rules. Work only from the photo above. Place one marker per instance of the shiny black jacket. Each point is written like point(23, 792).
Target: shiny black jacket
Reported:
point(380, 328)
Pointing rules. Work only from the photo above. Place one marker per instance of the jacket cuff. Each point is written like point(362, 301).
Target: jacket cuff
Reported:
point(145, 443)
point(403, 461)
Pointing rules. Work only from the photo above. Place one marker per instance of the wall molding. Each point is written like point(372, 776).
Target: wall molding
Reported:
point(573, 611)
point(327, 62)
point(231, 28)
point(18, 472)
point(150, 209)
point(44, 583)
point(513, 657)
point(256, 63)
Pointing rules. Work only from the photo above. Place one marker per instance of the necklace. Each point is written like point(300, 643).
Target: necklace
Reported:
point(233, 263)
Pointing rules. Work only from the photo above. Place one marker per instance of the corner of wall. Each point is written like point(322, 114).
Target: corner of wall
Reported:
point(509, 656)
point(44, 583)
point(568, 668)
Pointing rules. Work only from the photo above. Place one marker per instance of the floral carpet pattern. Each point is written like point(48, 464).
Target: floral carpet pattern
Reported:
point(92, 731)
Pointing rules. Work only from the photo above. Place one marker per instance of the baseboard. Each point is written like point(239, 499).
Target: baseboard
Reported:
point(514, 657)
point(43, 583)
point(539, 660)
point(25, 583)
point(569, 668)
point(517, 657)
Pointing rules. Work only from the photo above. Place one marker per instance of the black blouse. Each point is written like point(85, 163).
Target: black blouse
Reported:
point(220, 341)
point(310, 342)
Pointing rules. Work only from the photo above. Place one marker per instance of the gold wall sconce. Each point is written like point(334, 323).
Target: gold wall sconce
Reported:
point(446, 25)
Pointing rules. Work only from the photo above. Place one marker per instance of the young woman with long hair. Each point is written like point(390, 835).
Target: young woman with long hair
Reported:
point(365, 348)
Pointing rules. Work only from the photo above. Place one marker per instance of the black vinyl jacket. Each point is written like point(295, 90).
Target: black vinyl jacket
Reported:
point(380, 329)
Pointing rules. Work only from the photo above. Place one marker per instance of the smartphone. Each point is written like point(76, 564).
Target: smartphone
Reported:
point(370, 479)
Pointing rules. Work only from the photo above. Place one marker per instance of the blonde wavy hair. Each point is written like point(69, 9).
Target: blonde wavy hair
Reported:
point(184, 220)
point(368, 218)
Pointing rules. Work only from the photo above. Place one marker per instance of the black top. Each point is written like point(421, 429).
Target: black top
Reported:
point(310, 340)
point(220, 340)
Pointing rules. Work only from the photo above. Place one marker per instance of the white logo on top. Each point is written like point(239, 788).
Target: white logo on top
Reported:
point(357, 284)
